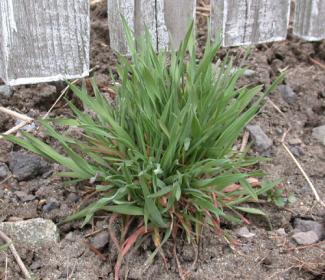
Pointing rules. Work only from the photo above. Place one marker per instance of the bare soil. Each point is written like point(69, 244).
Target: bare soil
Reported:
point(268, 255)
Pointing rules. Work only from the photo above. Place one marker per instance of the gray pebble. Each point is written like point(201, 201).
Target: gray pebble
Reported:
point(29, 127)
point(33, 233)
point(319, 134)
point(279, 130)
point(308, 225)
point(4, 171)
point(26, 166)
point(281, 231)
point(100, 240)
point(297, 151)
point(261, 140)
point(24, 197)
point(244, 232)
point(249, 73)
point(73, 197)
point(5, 91)
point(288, 94)
point(70, 237)
point(306, 238)
point(36, 265)
point(294, 141)
point(51, 205)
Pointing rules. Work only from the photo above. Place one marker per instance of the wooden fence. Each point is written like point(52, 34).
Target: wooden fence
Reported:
point(48, 40)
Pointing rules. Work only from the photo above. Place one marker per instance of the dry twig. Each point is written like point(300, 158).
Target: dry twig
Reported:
point(13, 250)
point(15, 114)
point(311, 185)
point(63, 92)
point(25, 120)
point(245, 141)
point(318, 199)
point(6, 179)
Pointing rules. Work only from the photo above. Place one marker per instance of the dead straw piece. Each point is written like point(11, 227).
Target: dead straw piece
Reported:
point(13, 250)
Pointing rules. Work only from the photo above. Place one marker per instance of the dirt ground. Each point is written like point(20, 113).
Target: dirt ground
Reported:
point(270, 254)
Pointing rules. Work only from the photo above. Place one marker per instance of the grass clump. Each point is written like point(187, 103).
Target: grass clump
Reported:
point(163, 152)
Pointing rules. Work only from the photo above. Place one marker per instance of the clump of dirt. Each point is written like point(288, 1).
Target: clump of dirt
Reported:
point(270, 253)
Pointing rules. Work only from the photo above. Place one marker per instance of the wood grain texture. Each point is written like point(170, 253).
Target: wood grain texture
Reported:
point(246, 22)
point(173, 20)
point(145, 18)
point(44, 40)
point(309, 22)
point(166, 20)
point(116, 9)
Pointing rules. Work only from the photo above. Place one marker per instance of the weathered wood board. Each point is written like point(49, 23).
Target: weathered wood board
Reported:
point(309, 22)
point(115, 10)
point(246, 22)
point(44, 40)
point(173, 20)
point(166, 20)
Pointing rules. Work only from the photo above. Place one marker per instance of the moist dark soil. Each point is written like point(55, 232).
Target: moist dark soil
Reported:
point(270, 254)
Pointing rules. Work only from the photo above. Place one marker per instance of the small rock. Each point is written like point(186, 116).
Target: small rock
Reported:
point(5, 91)
point(26, 166)
point(308, 225)
point(319, 134)
point(306, 238)
point(261, 140)
point(100, 240)
point(36, 265)
point(70, 237)
point(281, 231)
point(24, 197)
point(297, 151)
point(51, 205)
point(244, 232)
point(288, 94)
point(4, 171)
point(249, 73)
point(28, 127)
point(34, 232)
point(73, 197)
point(295, 141)
point(279, 130)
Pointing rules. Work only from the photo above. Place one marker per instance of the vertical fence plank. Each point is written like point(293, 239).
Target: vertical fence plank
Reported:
point(166, 20)
point(3, 62)
point(145, 18)
point(173, 21)
point(309, 21)
point(116, 9)
point(246, 22)
point(46, 40)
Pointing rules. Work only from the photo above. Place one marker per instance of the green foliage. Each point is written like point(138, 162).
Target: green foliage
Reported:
point(163, 152)
point(280, 197)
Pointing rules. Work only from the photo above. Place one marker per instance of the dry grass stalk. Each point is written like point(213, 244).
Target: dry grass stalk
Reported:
point(13, 250)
